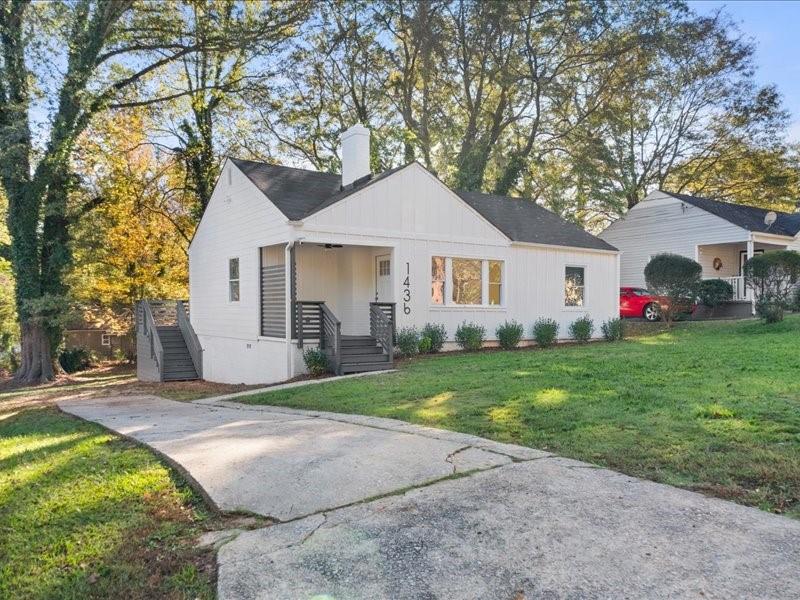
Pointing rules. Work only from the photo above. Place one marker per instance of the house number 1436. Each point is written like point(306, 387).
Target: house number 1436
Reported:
point(407, 291)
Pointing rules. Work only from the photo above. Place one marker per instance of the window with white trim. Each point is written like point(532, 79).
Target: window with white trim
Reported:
point(574, 286)
point(233, 279)
point(467, 281)
point(438, 276)
point(105, 339)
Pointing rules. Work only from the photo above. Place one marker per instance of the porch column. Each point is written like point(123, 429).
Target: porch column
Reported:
point(750, 295)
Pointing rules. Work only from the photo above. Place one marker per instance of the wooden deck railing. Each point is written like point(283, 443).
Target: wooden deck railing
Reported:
point(189, 336)
point(316, 322)
point(381, 326)
point(149, 329)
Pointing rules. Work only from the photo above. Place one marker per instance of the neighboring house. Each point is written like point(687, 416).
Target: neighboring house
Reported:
point(366, 254)
point(719, 235)
point(100, 341)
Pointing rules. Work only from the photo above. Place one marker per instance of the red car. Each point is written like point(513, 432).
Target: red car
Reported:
point(639, 302)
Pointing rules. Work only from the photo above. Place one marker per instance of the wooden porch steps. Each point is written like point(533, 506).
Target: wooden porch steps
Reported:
point(362, 353)
point(178, 365)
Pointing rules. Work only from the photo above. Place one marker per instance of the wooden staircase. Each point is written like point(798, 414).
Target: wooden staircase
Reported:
point(178, 365)
point(361, 353)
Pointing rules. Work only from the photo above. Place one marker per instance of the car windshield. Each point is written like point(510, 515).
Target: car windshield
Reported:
point(641, 292)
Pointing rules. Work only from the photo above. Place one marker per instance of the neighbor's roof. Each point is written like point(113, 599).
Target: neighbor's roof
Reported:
point(746, 217)
point(298, 193)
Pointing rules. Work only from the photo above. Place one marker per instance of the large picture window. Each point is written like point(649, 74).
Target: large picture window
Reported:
point(233, 279)
point(574, 286)
point(437, 279)
point(467, 281)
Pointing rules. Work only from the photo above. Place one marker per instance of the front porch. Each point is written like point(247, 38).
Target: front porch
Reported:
point(339, 298)
point(726, 261)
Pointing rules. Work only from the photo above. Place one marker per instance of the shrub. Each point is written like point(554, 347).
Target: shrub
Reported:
point(424, 345)
point(316, 361)
point(509, 334)
point(675, 277)
point(470, 336)
point(771, 312)
point(713, 292)
point(613, 330)
point(408, 341)
point(75, 359)
point(437, 334)
point(796, 300)
point(545, 332)
point(582, 329)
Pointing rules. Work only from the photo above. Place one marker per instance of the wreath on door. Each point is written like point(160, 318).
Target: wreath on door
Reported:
point(717, 263)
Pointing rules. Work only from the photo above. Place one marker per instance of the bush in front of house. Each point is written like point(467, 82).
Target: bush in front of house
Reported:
point(581, 330)
point(424, 345)
point(509, 334)
point(75, 359)
point(713, 292)
point(675, 277)
point(437, 334)
point(545, 332)
point(470, 336)
point(773, 276)
point(796, 300)
point(613, 330)
point(316, 361)
point(408, 341)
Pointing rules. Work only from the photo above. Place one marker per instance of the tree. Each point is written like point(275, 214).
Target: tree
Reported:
point(677, 279)
point(773, 277)
point(109, 48)
point(9, 331)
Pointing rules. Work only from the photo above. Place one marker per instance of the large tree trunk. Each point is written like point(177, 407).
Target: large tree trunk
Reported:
point(37, 359)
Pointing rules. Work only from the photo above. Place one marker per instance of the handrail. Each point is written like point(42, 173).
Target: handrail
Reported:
point(331, 337)
point(190, 337)
point(150, 330)
point(389, 309)
point(382, 328)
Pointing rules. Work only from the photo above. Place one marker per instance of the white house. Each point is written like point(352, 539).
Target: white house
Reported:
point(366, 254)
point(719, 235)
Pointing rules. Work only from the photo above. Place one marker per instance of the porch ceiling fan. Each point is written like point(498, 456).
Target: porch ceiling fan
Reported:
point(329, 246)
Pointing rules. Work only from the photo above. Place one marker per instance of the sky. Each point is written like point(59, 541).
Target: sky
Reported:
point(775, 29)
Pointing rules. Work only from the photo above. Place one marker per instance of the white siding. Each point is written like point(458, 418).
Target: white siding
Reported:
point(238, 221)
point(660, 224)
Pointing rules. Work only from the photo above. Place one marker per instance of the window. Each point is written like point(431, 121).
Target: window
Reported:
point(467, 281)
point(437, 280)
point(384, 268)
point(495, 282)
point(105, 339)
point(574, 286)
point(233, 279)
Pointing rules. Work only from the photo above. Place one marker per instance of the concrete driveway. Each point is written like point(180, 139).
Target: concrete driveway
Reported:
point(456, 516)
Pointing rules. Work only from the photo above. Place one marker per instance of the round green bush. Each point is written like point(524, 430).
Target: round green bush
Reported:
point(509, 334)
point(769, 311)
point(581, 330)
point(545, 332)
point(713, 292)
point(316, 361)
point(424, 345)
point(613, 330)
point(470, 336)
point(76, 359)
point(437, 334)
point(408, 341)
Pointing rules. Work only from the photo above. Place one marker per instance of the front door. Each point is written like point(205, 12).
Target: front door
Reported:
point(383, 278)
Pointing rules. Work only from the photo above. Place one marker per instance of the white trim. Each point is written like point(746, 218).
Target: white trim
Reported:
point(565, 248)
point(448, 303)
point(772, 236)
point(585, 268)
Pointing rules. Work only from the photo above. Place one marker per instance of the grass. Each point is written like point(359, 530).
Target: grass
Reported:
point(712, 407)
point(85, 514)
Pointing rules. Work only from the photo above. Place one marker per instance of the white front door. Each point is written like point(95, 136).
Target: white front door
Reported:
point(383, 278)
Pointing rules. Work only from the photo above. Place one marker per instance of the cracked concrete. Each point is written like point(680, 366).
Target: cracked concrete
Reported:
point(376, 508)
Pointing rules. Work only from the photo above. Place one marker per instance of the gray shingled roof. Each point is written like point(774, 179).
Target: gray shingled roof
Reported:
point(747, 217)
point(298, 193)
point(525, 221)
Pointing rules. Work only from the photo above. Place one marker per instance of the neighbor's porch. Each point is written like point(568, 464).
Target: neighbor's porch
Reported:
point(726, 261)
point(339, 297)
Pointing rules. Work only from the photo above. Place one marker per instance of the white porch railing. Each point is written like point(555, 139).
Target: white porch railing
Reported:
point(737, 283)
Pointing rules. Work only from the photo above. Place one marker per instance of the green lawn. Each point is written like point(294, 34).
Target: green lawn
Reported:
point(713, 407)
point(86, 514)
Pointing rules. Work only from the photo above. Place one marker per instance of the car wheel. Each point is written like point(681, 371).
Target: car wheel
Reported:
point(652, 312)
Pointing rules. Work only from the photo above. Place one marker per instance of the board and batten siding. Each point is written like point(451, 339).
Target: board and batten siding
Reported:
point(238, 222)
point(662, 223)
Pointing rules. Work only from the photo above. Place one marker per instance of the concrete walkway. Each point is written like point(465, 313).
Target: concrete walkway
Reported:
point(462, 517)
